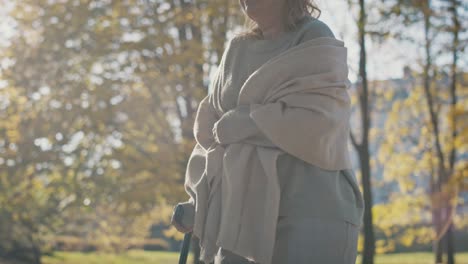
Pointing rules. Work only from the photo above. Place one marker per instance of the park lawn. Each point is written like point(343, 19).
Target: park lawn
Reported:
point(414, 258)
point(130, 257)
point(148, 257)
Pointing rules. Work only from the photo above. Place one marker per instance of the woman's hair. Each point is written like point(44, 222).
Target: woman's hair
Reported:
point(294, 11)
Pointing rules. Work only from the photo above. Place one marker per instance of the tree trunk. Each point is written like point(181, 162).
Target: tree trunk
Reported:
point(453, 94)
point(441, 179)
point(450, 244)
point(363, 150)
point(369, 244)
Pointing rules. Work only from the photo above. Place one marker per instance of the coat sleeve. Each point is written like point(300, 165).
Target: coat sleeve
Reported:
point(206, 115)
point(202, 130)
point(193, 176)
point(204, 122)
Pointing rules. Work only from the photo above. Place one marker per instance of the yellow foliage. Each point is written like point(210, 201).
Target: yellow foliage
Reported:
point(373, 132)
point(407, 238)
point(384, 246)
point(388, 95)
point(399, 167)
point(360, 244)
point(174, 233)
point(353, 99)
point(406, 184)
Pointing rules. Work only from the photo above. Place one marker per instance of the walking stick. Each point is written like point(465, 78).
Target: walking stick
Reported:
point(179, 211)
point(185, 248)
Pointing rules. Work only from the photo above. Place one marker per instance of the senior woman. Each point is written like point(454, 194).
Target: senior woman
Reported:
point(320, 208)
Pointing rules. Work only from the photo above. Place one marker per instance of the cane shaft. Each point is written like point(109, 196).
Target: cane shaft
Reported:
point(185, 248)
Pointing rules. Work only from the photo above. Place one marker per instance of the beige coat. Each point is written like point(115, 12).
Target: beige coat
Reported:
point(299, 100)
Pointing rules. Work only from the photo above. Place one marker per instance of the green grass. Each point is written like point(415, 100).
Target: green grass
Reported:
point(130, 257)
point(146, 257)
point(414, 258)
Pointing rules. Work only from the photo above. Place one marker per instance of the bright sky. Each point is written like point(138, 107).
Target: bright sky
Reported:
point(387, 60)
point(382, 62)
point(6, 28)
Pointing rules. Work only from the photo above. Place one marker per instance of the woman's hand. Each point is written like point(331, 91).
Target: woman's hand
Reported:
point(183, 217)
point(234, 126)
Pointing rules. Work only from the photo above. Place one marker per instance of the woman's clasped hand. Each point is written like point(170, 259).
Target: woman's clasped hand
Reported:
point(185, 223)
point(234, 125)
